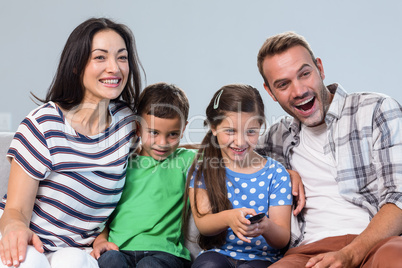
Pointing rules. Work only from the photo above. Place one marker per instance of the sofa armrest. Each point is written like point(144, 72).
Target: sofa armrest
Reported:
point(191, 239)
point(5, 140)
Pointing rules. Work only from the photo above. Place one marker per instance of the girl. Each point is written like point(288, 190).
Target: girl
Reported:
point(68, 157)
point(230, 182)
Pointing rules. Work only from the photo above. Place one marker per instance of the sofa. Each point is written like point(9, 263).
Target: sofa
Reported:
point(5, 140)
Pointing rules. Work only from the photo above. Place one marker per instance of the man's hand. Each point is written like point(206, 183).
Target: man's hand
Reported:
point(297, 191)
point(335, 259)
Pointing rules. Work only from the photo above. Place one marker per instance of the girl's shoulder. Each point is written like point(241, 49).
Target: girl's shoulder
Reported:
point(275, 167)
point(271, 166)
point(273, 163)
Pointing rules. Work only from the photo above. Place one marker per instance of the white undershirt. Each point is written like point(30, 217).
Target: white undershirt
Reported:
point(326, 213)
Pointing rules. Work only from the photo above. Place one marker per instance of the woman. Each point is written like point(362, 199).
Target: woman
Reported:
point(68, 157)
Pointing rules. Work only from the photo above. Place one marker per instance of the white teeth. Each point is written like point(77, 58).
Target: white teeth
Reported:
point(304, 102)
point(238, 150)
point(110, 81)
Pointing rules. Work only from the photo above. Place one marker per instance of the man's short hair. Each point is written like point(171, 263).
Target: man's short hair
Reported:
point(278, 44)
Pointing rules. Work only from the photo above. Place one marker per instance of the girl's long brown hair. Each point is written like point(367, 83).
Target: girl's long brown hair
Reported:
point(208, 164)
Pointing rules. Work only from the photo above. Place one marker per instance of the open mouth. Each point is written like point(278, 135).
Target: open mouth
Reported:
point(306, 105)
point(238, 150)
point(110, 81)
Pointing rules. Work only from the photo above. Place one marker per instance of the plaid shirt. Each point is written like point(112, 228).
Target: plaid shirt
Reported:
point(364, 138)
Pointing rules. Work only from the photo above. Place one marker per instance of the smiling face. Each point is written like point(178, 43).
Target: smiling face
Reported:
point(237, 137)
point(296, 83)
point(160, 137)
point(107, 70)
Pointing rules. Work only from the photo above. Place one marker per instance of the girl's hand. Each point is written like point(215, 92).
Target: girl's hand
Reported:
point(13, 245)
point(239, 224)
point(258, 228)
point(299, 197)
point(102, 247)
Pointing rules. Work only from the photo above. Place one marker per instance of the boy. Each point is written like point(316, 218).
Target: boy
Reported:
point(145, 228)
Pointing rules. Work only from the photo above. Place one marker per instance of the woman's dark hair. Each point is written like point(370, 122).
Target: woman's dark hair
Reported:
point(208, 164)
point(67, 88)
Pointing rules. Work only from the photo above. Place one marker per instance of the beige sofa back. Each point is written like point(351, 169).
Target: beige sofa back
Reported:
point(5, 140)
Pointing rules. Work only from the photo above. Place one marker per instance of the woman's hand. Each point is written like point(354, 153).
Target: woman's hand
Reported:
point(13, 244)
point(14, 223)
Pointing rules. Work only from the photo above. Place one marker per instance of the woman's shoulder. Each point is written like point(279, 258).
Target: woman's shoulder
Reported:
point(120, 108)
point(45, 114)
point(48, 108)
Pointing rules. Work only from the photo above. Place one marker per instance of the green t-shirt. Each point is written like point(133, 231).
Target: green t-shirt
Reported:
point(148, 216)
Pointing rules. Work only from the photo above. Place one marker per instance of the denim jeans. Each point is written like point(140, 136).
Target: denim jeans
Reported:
point(140, 259)
point(212, 259)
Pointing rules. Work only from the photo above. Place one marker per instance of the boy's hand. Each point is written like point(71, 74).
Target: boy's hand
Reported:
point(102, 247)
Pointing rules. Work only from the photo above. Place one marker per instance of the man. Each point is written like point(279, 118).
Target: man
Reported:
point(347, 149)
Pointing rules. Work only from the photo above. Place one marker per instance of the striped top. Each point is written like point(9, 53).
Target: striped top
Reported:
point(81, 177)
